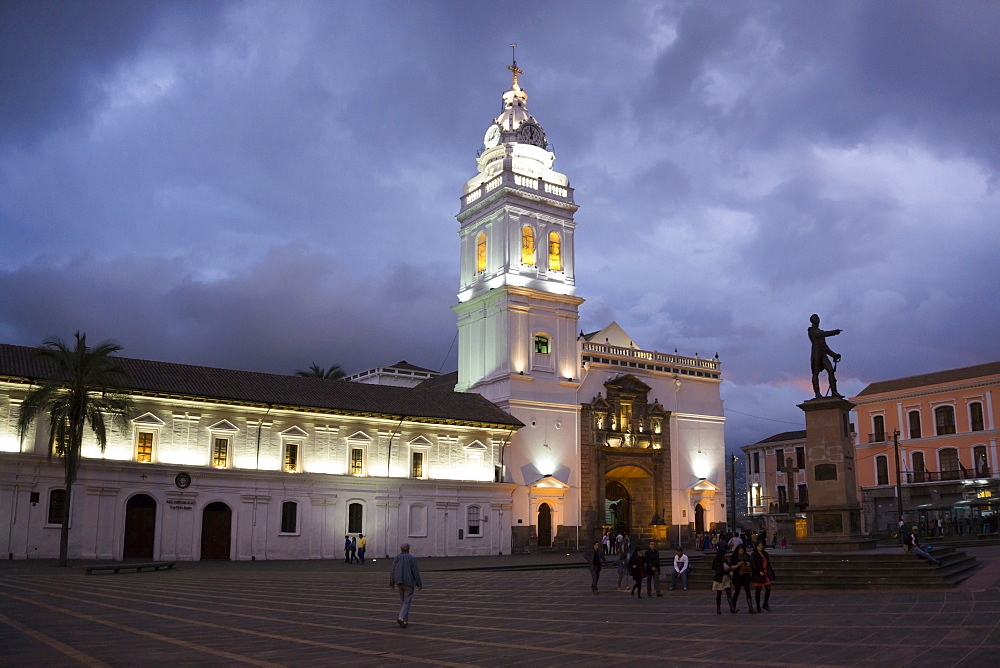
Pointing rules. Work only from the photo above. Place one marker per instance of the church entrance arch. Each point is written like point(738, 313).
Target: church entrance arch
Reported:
point(216, 531)
point(618, 508)
point(544, 525)
point(140, 527)
point(699, 519)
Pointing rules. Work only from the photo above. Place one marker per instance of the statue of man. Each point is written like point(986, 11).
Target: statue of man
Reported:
point(821, 355)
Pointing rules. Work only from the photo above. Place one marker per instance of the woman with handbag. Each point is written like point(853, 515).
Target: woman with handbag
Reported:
point(721, 582)
point(739, 565)
point(760, 564)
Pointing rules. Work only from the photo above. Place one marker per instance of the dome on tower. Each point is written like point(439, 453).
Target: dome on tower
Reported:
point(515, 124)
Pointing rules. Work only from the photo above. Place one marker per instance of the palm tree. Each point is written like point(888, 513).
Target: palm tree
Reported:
point(315, 371)
point(80, 392)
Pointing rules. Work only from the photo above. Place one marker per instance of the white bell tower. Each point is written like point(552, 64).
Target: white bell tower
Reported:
point(518, 313)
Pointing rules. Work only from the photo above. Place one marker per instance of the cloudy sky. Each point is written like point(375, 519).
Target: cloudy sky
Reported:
point(261, 185)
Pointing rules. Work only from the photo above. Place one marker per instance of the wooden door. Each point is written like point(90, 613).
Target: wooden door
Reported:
point(140, 527)
point(216, 531)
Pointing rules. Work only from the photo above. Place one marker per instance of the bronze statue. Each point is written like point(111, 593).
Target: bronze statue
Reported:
point(821, 356)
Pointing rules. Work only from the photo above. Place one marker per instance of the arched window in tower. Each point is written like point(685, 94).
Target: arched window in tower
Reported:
point(481, 252)
point(555, 252)
point(527, 245)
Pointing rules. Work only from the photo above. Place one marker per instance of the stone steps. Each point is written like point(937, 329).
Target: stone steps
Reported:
point(855, 570)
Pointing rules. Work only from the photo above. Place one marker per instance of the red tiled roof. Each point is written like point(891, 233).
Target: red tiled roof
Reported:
point(147, 376)
point(936, 378)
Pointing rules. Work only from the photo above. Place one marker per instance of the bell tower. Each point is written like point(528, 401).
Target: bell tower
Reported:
point(518, 313)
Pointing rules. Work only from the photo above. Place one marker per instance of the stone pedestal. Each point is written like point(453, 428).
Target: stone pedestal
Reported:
point(833, 518)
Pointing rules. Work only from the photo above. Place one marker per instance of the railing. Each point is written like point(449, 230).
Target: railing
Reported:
point(521, 181)
point(778, 508)
point(960, 473)
point(650, 355)
point(876, 438)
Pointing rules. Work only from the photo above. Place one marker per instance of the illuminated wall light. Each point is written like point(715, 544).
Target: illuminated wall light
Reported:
point(9, 444)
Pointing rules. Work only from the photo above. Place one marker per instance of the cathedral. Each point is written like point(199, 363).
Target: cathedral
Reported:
point(546, 437)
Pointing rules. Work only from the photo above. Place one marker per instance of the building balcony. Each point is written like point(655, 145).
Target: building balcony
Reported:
point(961, 473)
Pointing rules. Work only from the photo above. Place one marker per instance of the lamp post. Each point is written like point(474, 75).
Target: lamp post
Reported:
point(899, 482)
point(732, 478)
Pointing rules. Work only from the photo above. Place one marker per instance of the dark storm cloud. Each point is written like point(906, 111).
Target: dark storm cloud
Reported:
point(294, 307)
point(264, 185)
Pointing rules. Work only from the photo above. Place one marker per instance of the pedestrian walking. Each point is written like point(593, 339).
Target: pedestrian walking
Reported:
point(740, 568)
point(762, 575)
point(404, 577)
point(636, 569)
point(594, 559)
point(680, 570)
point(721, 581)
point(622, 568)
point(354, 550)
point(651, 562)
point(347, 549)
point(606, 542)
point(362, 544)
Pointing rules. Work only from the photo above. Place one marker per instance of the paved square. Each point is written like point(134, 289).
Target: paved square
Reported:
point(329, 613)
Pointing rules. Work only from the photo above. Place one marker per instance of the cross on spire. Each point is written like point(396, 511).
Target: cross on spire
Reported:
point(513, 67)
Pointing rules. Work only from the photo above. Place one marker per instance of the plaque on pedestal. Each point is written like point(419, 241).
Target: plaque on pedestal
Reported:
point(833, 518)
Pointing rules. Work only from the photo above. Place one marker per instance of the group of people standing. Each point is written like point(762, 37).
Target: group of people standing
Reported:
point(354, 549)
point(641, 565)
point(739, 573)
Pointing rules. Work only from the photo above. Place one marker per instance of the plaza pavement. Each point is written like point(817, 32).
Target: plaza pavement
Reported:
point(312, 613)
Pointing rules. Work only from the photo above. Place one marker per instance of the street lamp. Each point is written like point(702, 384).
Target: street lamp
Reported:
point(732, 478)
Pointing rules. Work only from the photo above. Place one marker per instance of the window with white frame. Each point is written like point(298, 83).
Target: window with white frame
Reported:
point(976, 421)
point(147, 432)
point(291, 458)
point(57, 505)
point(290, 517)
point(473, 521)
point(356, 464)
point(417, 469)
point(881, 470)
point(878, 428)
point(355, 517)
point(914, 419)
point(221, 454)
point(944, 420)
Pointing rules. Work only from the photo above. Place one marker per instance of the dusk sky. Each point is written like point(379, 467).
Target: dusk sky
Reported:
point(262, 185)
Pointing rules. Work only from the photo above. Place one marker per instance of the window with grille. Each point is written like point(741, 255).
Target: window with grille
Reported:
point(417, 464)
point(220, 453)
point(357, 461)
point(473, 520)
point(291, 457)
point(144, 447)
point(944, 419)
point(542, 345)
point(878, 425)
point(800, 457)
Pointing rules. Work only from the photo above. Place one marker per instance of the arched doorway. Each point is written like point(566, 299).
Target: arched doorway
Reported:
point(544, 525)
point(140, 527)
point(216, 531)
point(618, 507)
point(699, 519)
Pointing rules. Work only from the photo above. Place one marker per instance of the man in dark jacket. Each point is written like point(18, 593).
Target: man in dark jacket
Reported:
point(651, 560)
point(594, 558)
point(912, 544)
